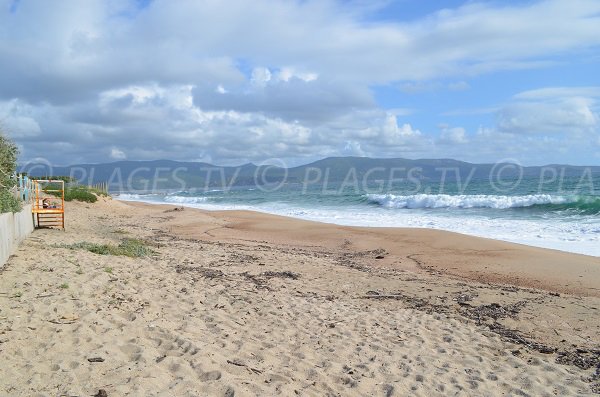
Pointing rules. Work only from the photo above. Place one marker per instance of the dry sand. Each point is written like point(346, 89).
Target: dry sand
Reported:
point(240, 303)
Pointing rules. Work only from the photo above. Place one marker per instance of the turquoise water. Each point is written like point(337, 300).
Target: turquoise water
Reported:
point(563, 214)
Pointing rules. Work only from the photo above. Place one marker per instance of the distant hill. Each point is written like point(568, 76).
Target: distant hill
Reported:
point(176, 175)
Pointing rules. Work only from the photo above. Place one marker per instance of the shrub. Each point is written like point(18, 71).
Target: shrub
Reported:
point(8, 202)
point(8, 165)
point(79, 193)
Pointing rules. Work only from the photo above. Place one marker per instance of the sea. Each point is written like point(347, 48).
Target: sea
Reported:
point(562, 214)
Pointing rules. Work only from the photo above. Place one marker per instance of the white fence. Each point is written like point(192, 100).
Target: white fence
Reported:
point(13, 229)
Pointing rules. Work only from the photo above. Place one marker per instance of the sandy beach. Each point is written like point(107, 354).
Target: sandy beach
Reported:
point(241, 304)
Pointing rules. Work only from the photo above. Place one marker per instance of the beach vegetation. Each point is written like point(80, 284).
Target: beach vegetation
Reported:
point(108, 269)
point(80, 193)
point(63, 286)
point(130, 247)
point(74, 192)
point(8, 166)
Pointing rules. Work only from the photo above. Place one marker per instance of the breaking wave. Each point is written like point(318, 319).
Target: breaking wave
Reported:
point(588, 205)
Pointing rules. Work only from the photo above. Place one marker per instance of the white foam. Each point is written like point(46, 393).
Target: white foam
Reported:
point(185, 200)
point(466, 201)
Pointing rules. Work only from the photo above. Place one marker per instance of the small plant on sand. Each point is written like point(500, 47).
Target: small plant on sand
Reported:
point(130, 247)
point(120, 231)
point(108, 269)
point(63, 286)
point(134, 248)
point(79, 270)
point(17, 294)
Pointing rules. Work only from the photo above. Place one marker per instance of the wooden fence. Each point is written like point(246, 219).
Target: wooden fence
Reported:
point(102, 187)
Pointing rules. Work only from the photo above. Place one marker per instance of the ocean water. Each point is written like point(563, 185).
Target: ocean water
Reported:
point(563, 215)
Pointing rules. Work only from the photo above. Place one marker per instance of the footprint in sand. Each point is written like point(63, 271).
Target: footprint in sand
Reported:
point(171, 346)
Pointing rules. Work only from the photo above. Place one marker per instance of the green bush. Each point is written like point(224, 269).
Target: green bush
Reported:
point(8, 203)
point(79, 193)
point(8, 165)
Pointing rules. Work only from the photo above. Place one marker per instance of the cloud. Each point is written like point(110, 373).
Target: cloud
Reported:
point(454, 135)
point(117, 154)
point(353, 148)
point(552, 110)
point(286, 95)
point(87, 47)
point(559, 92)
point(19, 119)
point(187, 80)
point(418, 87)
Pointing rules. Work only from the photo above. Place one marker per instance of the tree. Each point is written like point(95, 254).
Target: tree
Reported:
point(8, 166)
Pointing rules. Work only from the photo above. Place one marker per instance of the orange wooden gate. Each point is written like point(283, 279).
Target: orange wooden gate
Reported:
point(49, 203)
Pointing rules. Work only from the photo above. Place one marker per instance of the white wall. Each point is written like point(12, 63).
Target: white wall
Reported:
point(13, 229)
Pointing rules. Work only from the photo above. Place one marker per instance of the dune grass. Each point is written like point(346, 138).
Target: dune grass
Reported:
point(130, 247)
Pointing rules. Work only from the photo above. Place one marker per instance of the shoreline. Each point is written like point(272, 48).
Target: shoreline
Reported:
point(235, 304)
point(587, 248)
point(465, 256)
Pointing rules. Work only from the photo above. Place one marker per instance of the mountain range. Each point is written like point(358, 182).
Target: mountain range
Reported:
point(168, 174)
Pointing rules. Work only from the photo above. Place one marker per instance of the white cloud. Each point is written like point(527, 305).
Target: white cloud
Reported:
point(260, 76)
point(454, 135)
point(559, 92)
point(91, 44)
point(352, 148)
point(393, 134)
point(117, 154)
point(19, 119)
point(566, 110)
point(287, 73)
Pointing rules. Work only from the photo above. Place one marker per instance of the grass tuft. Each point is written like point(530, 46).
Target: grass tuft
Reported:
point(130, 247)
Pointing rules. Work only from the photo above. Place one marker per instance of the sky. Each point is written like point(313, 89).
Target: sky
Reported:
point(231, 82)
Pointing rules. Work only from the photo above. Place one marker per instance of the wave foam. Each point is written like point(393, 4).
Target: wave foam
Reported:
point(185, 200)
point(466, 201)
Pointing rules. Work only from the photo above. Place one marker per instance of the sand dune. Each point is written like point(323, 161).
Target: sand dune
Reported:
point(243, 304)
